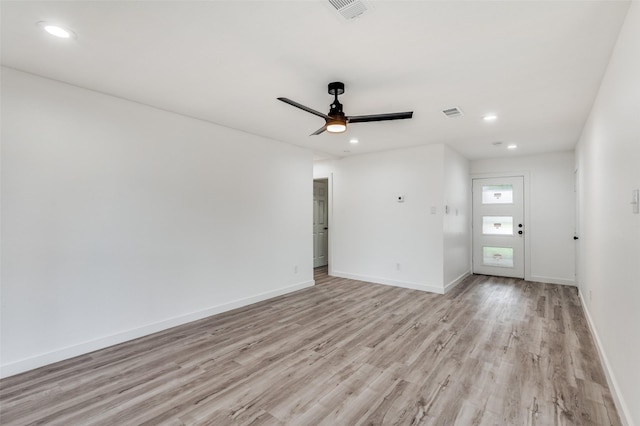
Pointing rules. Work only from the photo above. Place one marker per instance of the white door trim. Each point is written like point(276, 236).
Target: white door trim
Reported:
point(329, 178)
point(527, 211)
point(576, 227)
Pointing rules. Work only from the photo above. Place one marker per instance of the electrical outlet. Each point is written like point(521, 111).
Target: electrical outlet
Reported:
point(295, 269)
point(397, 266)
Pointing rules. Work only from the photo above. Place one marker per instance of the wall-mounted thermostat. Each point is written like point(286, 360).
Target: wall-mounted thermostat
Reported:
point(400, 198)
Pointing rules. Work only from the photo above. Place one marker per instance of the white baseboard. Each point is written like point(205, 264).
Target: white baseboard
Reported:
point(385, 281)
point(623, 410)
point(41, 360)
point(452, 284)
point(552, 280)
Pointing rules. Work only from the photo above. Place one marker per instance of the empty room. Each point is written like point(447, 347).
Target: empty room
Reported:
point(320, 212)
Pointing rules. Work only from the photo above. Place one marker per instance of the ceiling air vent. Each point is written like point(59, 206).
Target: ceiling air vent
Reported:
point(454, 112)
point(349, 9)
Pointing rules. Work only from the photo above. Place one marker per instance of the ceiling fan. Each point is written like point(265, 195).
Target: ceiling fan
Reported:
point(336, 121)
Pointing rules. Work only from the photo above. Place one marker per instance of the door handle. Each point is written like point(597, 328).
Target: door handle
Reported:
point(575, 238)
point(325, 228)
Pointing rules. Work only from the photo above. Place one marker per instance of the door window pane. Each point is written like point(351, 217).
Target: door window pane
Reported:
point(497, 225)
point(498, 256)
point(497, 194)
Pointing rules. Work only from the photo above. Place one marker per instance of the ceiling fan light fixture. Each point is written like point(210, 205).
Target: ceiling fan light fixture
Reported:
point(336, 126)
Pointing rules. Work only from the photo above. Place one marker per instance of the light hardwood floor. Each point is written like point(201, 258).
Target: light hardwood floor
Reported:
point(494, 351)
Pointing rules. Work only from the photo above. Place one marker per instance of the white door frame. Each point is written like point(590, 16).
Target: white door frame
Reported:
point(527, 213)
point(329, 178)
point(576, 226)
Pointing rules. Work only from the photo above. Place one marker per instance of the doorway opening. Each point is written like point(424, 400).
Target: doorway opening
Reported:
point(320, 223)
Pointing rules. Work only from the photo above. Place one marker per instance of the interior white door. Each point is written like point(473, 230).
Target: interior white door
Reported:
point(498, 226)
point(320, 223)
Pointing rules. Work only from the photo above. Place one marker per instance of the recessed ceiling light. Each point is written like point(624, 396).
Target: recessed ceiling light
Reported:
point(490, 117)
point(56, 30)
point(512, 146)
point(353, 141)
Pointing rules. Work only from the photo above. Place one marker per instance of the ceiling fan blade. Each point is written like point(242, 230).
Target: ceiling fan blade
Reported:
point(380, 117)
point(320, 130)
point(304, 108)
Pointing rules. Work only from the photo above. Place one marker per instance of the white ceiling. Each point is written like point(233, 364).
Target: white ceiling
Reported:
point(537, 64)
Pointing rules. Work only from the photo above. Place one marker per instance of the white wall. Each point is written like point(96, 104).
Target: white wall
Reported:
point(119, 220)
point(549, 212)
point(457, 222)
point(608, 163)
point(371, 233)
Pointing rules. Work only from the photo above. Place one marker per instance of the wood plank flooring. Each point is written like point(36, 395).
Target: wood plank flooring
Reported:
point(494, 351)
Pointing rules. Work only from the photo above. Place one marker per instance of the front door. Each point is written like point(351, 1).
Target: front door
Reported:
point(320, 223)
point(498, 226)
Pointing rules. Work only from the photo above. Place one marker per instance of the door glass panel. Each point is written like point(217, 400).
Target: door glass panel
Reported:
point(321, 210)
point(497, 194)
point(497, 225)
point(498, 256)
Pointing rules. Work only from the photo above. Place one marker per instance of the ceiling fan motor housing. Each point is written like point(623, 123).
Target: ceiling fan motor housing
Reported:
point(336, 110)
